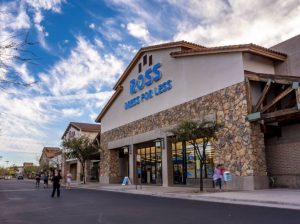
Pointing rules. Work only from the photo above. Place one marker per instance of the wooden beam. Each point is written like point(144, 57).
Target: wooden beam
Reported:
point(280, 113)
point(248, 95)
point(280, 79)
point(298, 97)
point(256, 77)
point(276, 99)
point(263, 95)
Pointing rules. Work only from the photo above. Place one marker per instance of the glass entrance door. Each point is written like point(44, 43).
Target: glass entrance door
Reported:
point(179, 163)
point(150, 165)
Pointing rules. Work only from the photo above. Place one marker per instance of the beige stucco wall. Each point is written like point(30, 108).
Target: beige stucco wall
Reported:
point(292, 65)
point(258, 64)
point(192, 77)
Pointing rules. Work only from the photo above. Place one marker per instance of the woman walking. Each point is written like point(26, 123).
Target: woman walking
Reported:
point(69, 179)
point(218, 177)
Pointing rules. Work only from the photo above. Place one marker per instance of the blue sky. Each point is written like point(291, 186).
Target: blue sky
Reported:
point(82, 47)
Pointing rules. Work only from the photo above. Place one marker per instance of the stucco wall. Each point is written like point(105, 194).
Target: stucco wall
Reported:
point(292, 65)
point(258, 64)
point(192, 77)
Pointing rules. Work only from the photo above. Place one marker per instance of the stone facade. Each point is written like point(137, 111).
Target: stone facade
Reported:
point(239, 145)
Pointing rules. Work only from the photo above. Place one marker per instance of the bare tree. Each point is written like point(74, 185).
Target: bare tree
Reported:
point(14, 49)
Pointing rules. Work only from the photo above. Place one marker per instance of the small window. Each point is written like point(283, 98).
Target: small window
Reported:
point(150, 60)
point(140, 67)
point(145, 60)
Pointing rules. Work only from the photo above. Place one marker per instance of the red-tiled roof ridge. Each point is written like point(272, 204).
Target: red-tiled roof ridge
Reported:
point(254, 48)
point(172, 44)
point(50, 151)
point(86, 126)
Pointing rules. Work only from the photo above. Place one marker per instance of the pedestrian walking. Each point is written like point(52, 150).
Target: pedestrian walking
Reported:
point(218, 177)
point(46, 179)
point(69, 179)
point(37, 180)
point(56, 183)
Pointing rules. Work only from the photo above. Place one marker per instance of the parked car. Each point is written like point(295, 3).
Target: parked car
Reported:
point(20, 177)
point(7, 178)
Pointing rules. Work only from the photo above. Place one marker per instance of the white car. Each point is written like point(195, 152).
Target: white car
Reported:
point(7, 178)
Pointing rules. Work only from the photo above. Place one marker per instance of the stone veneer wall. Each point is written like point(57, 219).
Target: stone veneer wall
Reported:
point(239, 146)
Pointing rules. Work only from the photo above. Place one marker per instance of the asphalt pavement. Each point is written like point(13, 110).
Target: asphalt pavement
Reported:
point(20, 202)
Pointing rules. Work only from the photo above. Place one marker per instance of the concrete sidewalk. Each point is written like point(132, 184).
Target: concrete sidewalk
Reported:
point(278, 198)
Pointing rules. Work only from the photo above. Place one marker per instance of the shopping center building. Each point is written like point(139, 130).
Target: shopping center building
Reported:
point(253, 91)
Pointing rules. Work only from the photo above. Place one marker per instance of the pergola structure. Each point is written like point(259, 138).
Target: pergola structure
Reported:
point(272, 99)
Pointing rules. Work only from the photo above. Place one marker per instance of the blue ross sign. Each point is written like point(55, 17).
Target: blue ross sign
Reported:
point(151, 75)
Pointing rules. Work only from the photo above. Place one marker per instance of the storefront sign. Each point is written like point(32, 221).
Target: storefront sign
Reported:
point(151, 76)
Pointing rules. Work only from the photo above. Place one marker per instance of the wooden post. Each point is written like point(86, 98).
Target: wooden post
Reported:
point(263, 95)
point(249, 95)
point(276, 99)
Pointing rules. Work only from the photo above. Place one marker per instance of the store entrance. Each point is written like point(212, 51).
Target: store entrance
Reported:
point(149, 163)
point(123, 163)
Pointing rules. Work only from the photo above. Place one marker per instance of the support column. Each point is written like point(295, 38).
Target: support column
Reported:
point(78, 171)
point(131, 164)
point(166, 164)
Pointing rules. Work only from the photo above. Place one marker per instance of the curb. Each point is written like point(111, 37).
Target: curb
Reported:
point(266, 203)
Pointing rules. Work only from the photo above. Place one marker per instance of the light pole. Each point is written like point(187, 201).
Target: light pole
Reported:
point(7, 163)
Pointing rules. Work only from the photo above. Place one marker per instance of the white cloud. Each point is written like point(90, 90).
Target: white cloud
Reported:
point(92, 26)
point(262, 22)
point(125, 51)
point(202, 9)
point(110, 30)
point(71, 112)
point(139, 30)
point(84, 68)
point(38, 17)
point(53, 5)
point(13, 18)
point(23, 71)
point(99, 43)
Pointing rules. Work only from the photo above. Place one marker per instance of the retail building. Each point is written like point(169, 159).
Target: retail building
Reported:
point(252, 90)
point(72, 165)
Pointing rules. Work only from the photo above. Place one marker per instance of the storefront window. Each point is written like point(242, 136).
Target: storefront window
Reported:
point(186, 162)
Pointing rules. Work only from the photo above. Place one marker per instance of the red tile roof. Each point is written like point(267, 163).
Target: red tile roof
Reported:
point(253, 48)
point(50, 152)
point(85, 127)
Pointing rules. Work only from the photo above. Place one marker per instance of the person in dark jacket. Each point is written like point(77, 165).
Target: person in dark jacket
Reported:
point(56, 183)
point(37, 180)
point(46, 177)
